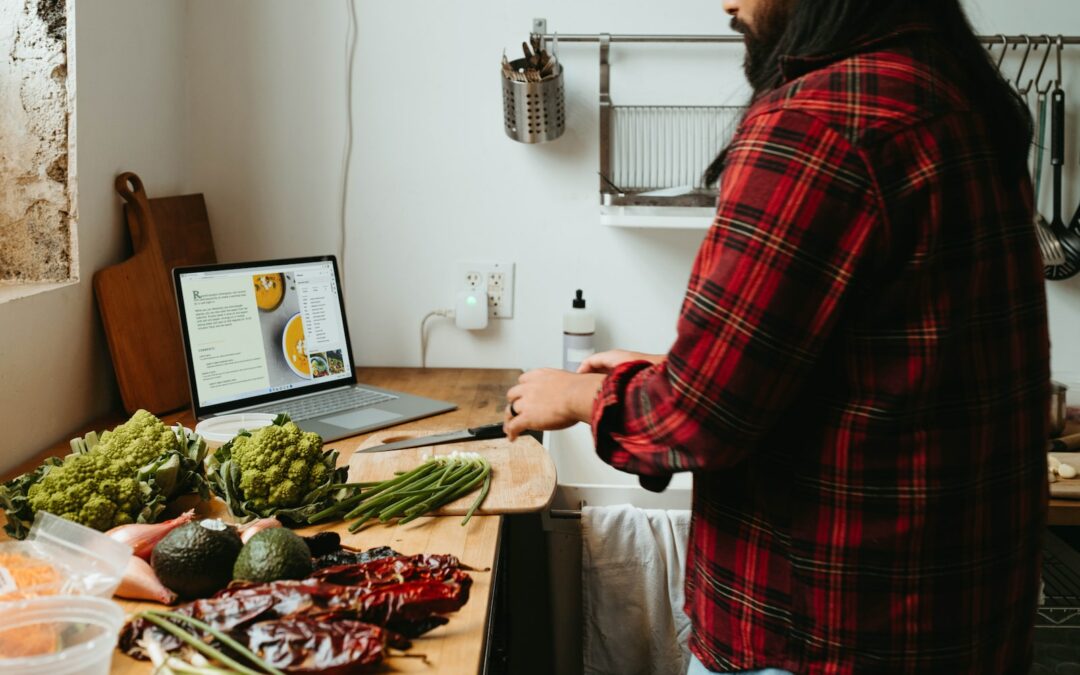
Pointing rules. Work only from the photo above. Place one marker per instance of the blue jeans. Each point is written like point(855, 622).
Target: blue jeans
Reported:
point(698, 668)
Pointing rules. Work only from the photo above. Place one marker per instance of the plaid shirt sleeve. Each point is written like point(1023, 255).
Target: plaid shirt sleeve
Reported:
point(794, 225)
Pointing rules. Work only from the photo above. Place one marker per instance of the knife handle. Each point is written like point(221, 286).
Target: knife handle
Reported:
point(488, 431)
point(1065, 443)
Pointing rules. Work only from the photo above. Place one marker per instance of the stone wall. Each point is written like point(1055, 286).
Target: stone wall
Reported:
point(37, 189)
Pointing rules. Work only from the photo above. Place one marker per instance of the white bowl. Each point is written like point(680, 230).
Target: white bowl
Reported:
point(218, 431)
point(286, 351)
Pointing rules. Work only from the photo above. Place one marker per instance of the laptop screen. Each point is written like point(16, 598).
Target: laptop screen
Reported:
point(263, 331)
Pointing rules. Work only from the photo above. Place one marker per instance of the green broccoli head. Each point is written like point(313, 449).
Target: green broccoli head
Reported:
point(279, 465)
point(139, 441)
point(99, 489)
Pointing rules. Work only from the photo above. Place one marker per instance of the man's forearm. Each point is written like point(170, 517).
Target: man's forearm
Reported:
point(582, 394)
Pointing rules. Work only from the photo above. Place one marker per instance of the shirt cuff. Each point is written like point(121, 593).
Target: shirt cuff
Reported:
point(615, 443)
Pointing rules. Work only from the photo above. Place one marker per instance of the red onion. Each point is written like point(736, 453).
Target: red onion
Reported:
point(143, 536)
point(248, 530)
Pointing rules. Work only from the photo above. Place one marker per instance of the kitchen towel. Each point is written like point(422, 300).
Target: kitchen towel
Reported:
point(632, 569)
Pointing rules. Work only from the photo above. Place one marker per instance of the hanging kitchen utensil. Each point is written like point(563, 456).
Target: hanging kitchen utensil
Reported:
point(534, 102)
point(1049, 245)
point(1068, 237)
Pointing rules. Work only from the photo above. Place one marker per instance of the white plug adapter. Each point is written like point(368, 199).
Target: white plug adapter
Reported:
point(471, 312)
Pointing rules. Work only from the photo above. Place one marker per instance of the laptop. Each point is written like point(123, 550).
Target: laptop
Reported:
point(270, 336)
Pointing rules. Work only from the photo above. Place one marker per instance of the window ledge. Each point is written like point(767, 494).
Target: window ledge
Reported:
point(13, 291)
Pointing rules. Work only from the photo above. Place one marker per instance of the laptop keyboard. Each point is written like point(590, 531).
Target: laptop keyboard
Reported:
point(325, 404)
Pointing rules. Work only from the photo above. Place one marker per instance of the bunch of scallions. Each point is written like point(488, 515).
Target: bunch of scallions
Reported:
point(205, 659)
point(411, 494)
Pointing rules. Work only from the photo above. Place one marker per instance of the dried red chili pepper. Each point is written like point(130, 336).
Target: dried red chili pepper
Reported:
point(298, 619)
point(325, 644)
point(394, 570)
point(226, 614)
point(407, 607)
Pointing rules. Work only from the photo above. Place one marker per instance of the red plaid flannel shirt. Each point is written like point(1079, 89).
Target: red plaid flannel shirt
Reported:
point(859, 382)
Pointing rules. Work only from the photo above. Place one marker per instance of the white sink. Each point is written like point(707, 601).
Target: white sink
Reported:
point(584, 479)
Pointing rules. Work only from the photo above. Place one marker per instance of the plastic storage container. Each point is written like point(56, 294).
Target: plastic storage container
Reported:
point(59, 635)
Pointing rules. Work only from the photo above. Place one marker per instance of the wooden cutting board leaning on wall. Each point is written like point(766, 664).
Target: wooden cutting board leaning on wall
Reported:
point(136, 298)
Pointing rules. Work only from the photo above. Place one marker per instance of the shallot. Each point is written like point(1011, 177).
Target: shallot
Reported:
point(142, 537)
point(248, 530)
point(140, 583)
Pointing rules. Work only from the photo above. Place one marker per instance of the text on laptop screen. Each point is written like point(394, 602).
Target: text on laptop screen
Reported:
point(258, 331)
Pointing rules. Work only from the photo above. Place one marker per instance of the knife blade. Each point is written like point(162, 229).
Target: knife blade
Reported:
point(472, 434)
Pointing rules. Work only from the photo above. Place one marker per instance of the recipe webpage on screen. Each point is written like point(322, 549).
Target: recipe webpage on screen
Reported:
point(258, 331)
point(225, 338)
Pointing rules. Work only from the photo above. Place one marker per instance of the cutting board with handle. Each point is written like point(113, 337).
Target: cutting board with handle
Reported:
point(522, 473)
point(136, 299)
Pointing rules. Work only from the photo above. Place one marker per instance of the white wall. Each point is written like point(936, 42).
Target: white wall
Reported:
point(434, 178)
point(267, 125)
point(244, 100)
point(55, 372)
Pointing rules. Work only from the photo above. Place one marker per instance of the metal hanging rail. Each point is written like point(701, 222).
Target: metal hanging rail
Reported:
point(623, 182)
point(613, 38)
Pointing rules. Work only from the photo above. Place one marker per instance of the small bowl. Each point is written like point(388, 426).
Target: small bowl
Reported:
point(286, 348)
point(59, 635)
point(217, 431)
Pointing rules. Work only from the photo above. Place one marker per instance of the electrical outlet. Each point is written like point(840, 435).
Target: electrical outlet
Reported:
point(494, 278)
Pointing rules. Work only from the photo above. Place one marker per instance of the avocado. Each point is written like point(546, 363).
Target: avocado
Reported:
point(196, 559)
point(273, 554)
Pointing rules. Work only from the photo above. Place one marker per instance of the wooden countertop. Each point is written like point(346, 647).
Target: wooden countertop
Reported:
point(1066, 511)
point(459, 646)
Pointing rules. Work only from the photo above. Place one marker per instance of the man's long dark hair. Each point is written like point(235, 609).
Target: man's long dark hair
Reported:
point(823, 27)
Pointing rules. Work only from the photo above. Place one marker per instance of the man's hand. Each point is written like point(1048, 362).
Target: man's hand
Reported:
point(605, 362)
point(549, 399)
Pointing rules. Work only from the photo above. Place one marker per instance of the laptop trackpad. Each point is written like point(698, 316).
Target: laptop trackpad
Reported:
point(356, 419)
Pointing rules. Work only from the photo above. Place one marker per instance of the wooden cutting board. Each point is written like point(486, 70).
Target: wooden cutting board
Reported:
point(136, 299)
point(522, 473)
point(1067, 488)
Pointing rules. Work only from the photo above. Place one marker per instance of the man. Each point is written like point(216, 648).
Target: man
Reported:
point(860, 377)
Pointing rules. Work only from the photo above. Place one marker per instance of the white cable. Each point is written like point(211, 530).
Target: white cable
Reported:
point(350, 60)
point(448, 313)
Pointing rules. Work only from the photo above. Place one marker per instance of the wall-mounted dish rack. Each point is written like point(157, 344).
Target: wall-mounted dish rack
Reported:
point(652, 157)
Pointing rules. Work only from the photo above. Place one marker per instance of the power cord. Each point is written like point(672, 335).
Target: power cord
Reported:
point(350, 61)
point(446, 313)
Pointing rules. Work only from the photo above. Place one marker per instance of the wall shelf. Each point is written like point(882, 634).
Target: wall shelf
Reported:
point(658, 217)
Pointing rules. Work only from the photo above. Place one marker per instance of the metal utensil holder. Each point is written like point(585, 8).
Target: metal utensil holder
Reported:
point(534, 112)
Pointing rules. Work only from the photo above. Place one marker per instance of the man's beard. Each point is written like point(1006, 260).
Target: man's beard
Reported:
point(762, 64)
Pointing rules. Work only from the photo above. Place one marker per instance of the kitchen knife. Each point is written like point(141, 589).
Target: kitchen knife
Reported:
point(474, 434)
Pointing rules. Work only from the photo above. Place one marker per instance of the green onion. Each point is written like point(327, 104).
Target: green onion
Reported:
point(411, 494)
point(159, 619)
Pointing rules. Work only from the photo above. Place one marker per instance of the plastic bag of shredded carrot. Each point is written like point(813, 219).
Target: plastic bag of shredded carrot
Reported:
point(59, 557)
point(23, 574)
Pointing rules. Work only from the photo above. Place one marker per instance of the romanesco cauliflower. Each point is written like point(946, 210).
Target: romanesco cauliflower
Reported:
point(279, 465)
point(100, 487)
